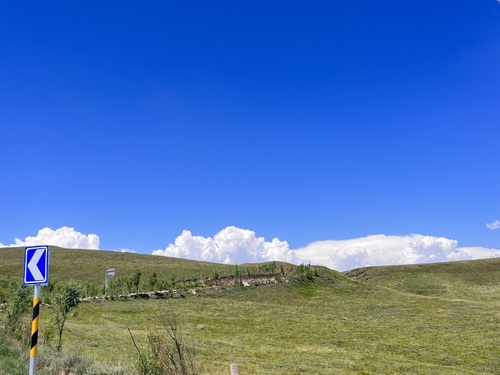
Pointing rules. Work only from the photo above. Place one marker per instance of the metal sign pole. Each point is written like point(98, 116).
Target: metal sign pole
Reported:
point(110, 272)
point(36, 273)
point(106, 284)
point(34, 329)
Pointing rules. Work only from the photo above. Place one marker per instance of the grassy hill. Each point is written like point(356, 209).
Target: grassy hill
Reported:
point(478, 279)
point(82, 266)
point(429, 319)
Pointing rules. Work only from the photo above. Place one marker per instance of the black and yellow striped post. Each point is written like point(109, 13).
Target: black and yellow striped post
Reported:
point(36, 273)
point(34, 329)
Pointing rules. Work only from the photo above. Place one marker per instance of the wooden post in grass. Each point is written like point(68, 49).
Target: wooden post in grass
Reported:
point(234, 369)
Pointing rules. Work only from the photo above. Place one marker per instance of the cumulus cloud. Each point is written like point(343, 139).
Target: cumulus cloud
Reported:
point(381, 249)
point(63, 237)
point(495, 224)
point(230, 245)
point(235, 245)
point(479, 252)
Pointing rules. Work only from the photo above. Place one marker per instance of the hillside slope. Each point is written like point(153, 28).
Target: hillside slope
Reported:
point(329, 325)
point(423, 319)
point(84, 266)
point(474, 279)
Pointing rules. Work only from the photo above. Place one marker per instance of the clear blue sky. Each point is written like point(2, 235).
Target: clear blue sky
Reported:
point(304, 121)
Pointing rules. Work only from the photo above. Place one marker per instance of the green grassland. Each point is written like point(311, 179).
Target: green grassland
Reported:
point(477, 280)
point(83, 266)
point(429, 319)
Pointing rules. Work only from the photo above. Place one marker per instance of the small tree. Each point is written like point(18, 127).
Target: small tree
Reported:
point(237, 275)
point(173, 280)
point(6, 288)
point(153, 280)
point(65, 300)
point(18, 304)
point(136, 280)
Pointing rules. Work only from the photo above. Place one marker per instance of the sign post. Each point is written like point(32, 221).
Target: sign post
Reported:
point(34, 329)
point(36, 273)
point(110, 272)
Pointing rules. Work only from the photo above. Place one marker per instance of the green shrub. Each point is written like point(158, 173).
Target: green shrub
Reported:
point(17, 305)
point(66, 299)
point(305, 272)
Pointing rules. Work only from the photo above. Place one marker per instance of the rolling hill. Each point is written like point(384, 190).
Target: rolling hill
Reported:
point(478, 279)
point(420, 319)
point(82, 266)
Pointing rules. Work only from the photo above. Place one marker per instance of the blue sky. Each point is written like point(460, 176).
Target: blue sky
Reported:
point(301, 121)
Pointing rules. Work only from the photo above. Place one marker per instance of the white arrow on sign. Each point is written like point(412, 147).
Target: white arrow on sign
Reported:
point(32, 265)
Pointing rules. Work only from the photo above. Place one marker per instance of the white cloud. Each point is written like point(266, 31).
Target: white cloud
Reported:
point(381, 249)
point(230, 245)
point(235, 245)
point(127, 251)
point(480, 252)
point(495, 224)
point(63, 237)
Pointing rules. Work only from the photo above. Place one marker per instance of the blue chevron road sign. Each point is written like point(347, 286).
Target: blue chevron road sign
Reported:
point(36, 265)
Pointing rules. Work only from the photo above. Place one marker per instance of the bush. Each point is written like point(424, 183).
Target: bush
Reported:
point(7, 287)
point(17, 305)
point(305, 272)
point(167, 352)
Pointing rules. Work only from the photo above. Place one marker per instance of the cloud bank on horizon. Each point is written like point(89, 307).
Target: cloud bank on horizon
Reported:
point(235, 245)
point(64, 237)
point(378, 250)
